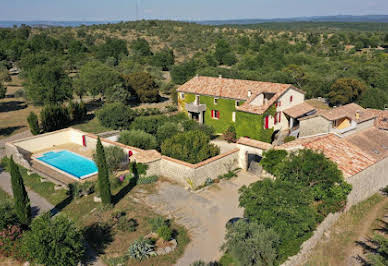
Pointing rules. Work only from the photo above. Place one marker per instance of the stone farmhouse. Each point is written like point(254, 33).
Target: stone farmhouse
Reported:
point(256, 109)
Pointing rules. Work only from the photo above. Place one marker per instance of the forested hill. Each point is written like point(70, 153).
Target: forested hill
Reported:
point(345, 64)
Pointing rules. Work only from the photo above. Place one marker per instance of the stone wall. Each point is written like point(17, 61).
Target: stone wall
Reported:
point(365, 184)
point(313, 126)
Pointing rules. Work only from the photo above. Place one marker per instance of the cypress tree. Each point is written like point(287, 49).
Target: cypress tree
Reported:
point(33, 122)
point(103, 174)
point(20, 196)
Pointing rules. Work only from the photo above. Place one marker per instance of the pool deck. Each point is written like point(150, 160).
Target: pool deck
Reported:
point(70, 147)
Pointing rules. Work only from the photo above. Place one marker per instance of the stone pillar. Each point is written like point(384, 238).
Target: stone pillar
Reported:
point(201, 117)
point(291, 122)
point(245, 161)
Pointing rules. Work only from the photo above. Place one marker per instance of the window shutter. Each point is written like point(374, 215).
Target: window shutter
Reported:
point(276, 118)
point(218, 114)
point(212, 113)
point(291, 98)
point(266, 122)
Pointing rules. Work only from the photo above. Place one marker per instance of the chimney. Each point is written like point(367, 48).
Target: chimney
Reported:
point(357, 115)
point(249, 93)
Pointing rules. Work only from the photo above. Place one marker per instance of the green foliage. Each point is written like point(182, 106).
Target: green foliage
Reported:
point(77, 111)
point(252, 126)
point(230, 174)
point(164, 59)
point(141, 47)
point(150, 124)
point(48, 84)
point(288, 139)
point(10, 241)
point(380, 256)
point(112, 48)
point(230, 134)
point(3, 90)
point(345, 90)
point(164, 232)
point(191, 146)
point(54, 117)
point(119, 93)
point(224, 54)
point(126, 225)
point(115, 116)
point(141, 249)
point(183, 72)
point(33, 123)
point(138, 170)
point(7, 215)
point(271, 159)
point(147, 180)
point(21, 200)
point(103, 175)
point(78, 189)
point(374, 98)
point(115, 156)
point(156, 222)
point(54, 241)
point(165, 131)
point(251, 243)
point(145, 87)
point(139, 139)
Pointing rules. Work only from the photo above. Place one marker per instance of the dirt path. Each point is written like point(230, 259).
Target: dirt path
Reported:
point(363, 233)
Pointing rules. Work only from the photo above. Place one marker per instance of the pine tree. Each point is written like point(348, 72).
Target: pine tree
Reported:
point(103, 174)
point(33, 122)
point(22, 202)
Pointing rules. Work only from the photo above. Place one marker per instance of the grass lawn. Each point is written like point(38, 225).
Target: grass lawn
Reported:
point(46, 189)
point(335, 249)
point(92, 126)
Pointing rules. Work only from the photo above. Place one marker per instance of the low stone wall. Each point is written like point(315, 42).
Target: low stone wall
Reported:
point(17, 155)
point(365, 184)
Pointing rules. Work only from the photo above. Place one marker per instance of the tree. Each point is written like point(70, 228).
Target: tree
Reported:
point(54, 241)
point(374, 98)
point(112, 48)
point(48, 84)
point(145, 87)
point(271, 159)
point(3, 91)
point(380, 254)
point(33, 123)
point(164, 59)
point(103, 175)
point(119, 93)
point(54, 117)
point(141, 47)
point(165, 131)
point(345, 90)
point(224, 54)
point(77, 111)
point(192, 147)
point(251, 243)
point(115, 115)
point(20, 196)
point(183, 72)
point(296, 74)
point(95, 78)
point(139, 139)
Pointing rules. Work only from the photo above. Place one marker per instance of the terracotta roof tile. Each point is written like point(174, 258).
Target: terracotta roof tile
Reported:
point(299, 110)
point(348, 110)
point(254, 143)
point(381, 119)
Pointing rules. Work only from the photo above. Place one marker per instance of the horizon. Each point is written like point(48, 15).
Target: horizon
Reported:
point(200, 10)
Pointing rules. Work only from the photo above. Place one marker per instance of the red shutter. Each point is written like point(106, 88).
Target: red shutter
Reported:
point(266, 122)
point(275, 118)
point(130, 153)
point(291, 98)
point(84, 140)
point(212, 113)
point(218, 114)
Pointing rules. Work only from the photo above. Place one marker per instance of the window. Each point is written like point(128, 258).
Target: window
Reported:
point(215, 114)
point(291, 98)
point(215, 101)
point(182, 95)
point(237, 103)
point(234, 116)
point(280, 117)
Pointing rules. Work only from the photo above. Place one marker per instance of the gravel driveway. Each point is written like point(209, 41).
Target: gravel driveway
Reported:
point(204, 214)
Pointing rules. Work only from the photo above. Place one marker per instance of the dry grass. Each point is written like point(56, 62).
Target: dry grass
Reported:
point(14, 111)
point(318, 104)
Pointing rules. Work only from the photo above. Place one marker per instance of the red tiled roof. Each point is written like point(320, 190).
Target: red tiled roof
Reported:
point(254, 143)
point(299, 110)
point(381, 119)
point(349, 158)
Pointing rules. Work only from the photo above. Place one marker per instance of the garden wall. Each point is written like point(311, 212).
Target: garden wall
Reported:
point(365, 184)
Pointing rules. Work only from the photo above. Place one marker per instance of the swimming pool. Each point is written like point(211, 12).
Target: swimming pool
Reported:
point(70, 163)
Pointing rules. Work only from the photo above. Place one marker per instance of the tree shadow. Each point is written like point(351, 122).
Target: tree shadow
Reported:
point(12, 106)
point(60, 206)
point(99, 235)
point(383, 228)
point(125, 190)
point(6, 131)
point(94, 105)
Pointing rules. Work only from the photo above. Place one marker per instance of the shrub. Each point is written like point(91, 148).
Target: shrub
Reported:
point(126, 225)
point(33, 123)
point(138, 138)
point(145, 87)
point(7, 215)
point(164, 232)
point(54, 117)
point(20, 93)
point(77, 111)
point(166, 131)
point(192, 147)
point(230, 134)
point(138, 169)
point(115, 116)
point(208, 181)
point(288, 139)
point(141, 249)
point(3, 91)
point(156, 223)
point(271, 159)
point(251, 243)
point(171, 108)
point(114, 157)
point(78, 190)
point(10, 241)
point(147, 180)
point(150, 124)
point(53, 240)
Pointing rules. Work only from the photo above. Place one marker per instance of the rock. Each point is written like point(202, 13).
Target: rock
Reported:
point(97, 199)
point(27, 263)
point(174, 244)
point(29, 172)
point(58, 187)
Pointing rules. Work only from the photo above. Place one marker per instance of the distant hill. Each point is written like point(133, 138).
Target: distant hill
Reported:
point(45, 24)
point(340, 18)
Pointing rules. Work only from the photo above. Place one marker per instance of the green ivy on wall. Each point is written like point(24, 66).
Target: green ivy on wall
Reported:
point(252, 126)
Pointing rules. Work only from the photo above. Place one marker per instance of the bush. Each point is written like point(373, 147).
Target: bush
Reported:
point(166, 131)
point(20, 93)
point(115, 156)
point(230, 134)
point(271, 159)
point(139, 139)
point(147, 180)
point(208, 181)
point(150, 124)
point(164, 232)
point(141, 249)
point(145, 87)
point(78, 190)
point(54, 240)
point(54, 117)
point(156, 223)
point(126, 225)
point(33, 123)
point(115, 116)
point(192, 147)
point(77, 111)
point(288, 139)
point(10, 241)
point(7, 215)
point(3, 91)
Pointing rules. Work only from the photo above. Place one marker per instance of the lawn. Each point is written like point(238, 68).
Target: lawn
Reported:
point(92, 126)
point(340, 246)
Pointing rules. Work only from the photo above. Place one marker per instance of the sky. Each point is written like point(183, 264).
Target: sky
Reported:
point(87, 10)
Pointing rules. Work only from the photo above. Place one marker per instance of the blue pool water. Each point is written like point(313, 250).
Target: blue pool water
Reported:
point(70, 163)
